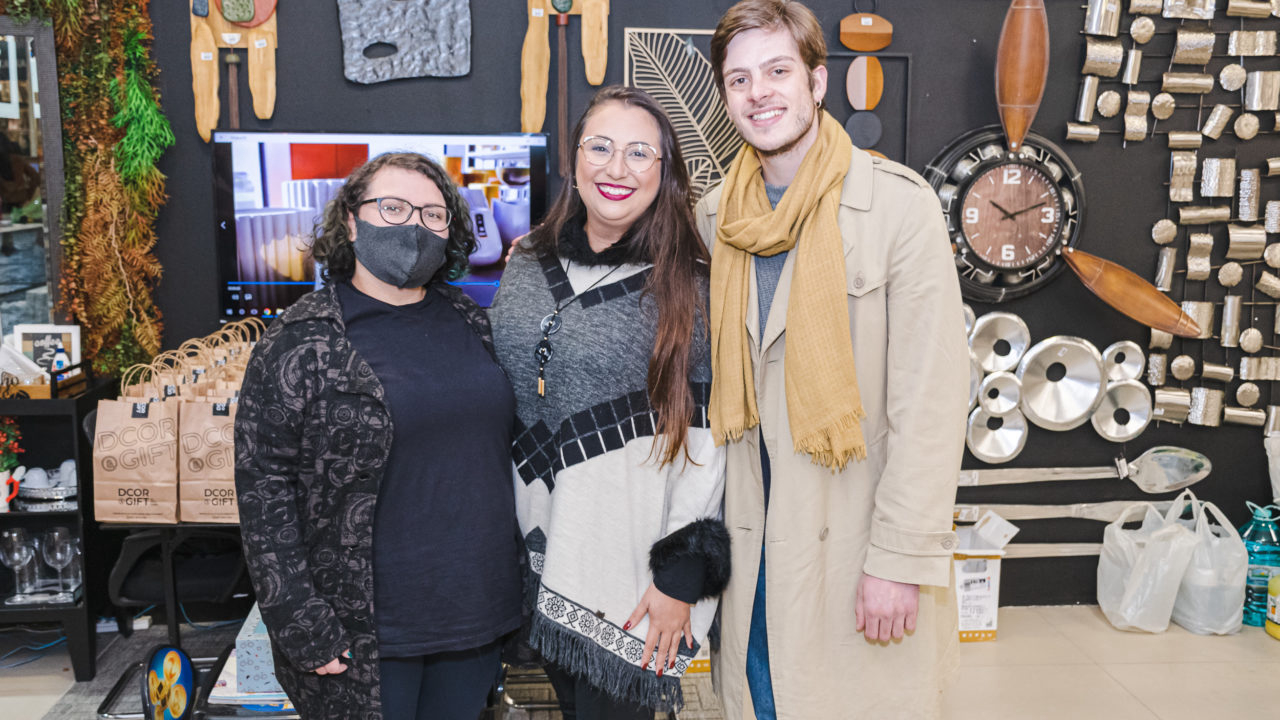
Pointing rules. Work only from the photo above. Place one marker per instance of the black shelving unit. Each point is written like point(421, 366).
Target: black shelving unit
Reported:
point(52, 431)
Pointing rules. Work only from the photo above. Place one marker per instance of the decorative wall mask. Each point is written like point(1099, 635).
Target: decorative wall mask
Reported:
point(394, 39)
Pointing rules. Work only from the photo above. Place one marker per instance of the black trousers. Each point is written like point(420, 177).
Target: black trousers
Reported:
point(579, 700)
point(440, 686)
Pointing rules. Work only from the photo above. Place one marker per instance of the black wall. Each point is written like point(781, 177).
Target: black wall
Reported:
point(953, 45)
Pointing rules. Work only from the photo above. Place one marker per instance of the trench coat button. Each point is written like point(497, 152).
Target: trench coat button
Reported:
point(948, 544)
point(858, 282)
point(822, 535)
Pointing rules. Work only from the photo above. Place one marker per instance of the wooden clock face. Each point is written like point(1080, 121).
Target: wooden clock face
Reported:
point(1010, 215)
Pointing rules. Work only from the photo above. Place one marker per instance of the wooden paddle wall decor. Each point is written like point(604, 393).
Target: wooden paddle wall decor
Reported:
point(535, 54)
point(211, 31)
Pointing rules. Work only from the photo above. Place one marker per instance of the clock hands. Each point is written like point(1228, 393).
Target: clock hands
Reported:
point(1006, 213)
point(1025, 209)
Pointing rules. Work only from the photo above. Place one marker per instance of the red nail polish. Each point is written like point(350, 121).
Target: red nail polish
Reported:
point(659, 672)
point(671, 664)
point(627, 625)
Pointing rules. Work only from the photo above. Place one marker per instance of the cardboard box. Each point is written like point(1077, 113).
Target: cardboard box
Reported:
point(255, 668)
point(977, 564)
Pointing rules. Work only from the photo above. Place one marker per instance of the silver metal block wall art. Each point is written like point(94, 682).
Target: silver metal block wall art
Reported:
point(1182, 368)
point(1249, 8)
point(1171, 405)
point(427, 38)
point(1132, 67)
point(1262, 91)
point(1218, 177)
point(1206, 407)
point(1083, 132)
point(1199, 265)
point(1232, 77)
point(1182, 175)
point(1166, 264)
point(1245, 242)
point(1248, 394)
point(1189, 9)
point(1244, 416)
point(1269, 285)
point(1135, 127)
point(1193, 47)
point(1102, 17)
point(1157, 368)
point(1249, 196)
point(1272, 223)
point(1088, 96)
point(1260, 368)
point(1202, 312)
point(1251, 43)
point(1217, 121)
point(1163, 105)
point(1272, 426)
point(1230, 274)
point(1164, 231)
point(1186, 83)
point(1246, 126)
point(1217, 373)
point(1102, 57)
point(1229, 335)
point(1203, 214)
point(1185, 139)
point(1109, 104)
point(1273, 166)
point(1251, 340)
point(1142, 30)
point(1160, 340)
point(1145, 7)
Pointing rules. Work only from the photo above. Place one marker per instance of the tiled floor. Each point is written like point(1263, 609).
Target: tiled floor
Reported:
point(1048, 663)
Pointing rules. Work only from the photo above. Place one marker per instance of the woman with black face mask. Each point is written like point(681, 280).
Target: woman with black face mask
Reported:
point(372, 464)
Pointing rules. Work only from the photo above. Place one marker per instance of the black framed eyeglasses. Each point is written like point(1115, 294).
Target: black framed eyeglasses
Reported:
point(398, 211)
point(598, 150)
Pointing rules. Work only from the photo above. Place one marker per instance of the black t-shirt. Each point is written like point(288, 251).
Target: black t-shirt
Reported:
point(444, 539)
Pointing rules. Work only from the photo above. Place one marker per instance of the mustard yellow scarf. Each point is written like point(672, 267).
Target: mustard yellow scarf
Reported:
point(823, 403)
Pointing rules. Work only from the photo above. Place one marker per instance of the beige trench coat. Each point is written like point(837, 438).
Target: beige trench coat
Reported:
point(889, 515)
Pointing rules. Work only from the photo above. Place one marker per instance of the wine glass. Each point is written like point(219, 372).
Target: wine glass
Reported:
point(16, 553)
point(58, 550)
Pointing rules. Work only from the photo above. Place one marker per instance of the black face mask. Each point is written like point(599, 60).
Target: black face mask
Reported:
point(406, 256)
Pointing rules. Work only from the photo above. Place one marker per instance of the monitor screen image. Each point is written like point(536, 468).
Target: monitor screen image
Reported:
point(271, 188)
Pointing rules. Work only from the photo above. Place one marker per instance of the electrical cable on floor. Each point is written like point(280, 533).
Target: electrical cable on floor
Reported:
point(205, 626)
point(40, 650)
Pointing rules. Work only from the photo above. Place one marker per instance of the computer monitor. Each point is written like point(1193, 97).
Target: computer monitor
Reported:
point(270, 191)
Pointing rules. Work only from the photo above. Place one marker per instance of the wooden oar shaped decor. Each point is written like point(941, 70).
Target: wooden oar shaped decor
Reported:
point(1022, 67)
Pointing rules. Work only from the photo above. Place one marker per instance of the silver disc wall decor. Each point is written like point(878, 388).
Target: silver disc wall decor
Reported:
point(1123, 360)
point(1000, 394)
point(994, 439)
point(1062, 382)
point(999, 340)
point(1125, 411)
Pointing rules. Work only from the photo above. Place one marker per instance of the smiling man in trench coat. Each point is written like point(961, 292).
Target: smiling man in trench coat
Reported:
point(857, 614)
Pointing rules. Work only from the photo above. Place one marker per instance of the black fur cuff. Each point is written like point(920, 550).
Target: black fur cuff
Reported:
point(693, 562)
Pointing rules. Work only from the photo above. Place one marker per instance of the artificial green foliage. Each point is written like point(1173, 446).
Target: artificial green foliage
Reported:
point(113, 132)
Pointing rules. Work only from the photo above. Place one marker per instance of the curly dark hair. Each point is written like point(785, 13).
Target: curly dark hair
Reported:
point(333, 246)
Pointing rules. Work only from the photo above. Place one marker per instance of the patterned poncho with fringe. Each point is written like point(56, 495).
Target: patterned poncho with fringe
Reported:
point(600, 518)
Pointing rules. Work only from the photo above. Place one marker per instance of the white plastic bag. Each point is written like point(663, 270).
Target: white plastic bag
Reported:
point(1210, 599)
point(1139, 571)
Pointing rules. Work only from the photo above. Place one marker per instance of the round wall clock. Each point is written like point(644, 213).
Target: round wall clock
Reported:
point(1009, 212)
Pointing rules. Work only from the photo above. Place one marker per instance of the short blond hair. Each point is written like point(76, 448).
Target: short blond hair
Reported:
point(768, 14)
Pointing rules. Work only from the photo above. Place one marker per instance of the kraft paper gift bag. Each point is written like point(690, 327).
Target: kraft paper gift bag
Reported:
point(135, 461)
point(206, 462)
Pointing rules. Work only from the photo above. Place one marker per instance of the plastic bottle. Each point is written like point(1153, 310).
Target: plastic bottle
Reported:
point(60, 360)
point(1262, 538)
point(1273, 607)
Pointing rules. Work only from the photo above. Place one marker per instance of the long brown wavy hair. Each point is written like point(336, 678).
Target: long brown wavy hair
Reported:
point(666, 236)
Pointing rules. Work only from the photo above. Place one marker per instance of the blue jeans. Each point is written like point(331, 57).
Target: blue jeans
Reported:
point(759, 681)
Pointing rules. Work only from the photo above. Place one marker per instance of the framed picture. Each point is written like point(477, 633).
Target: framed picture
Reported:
point(40, 342)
